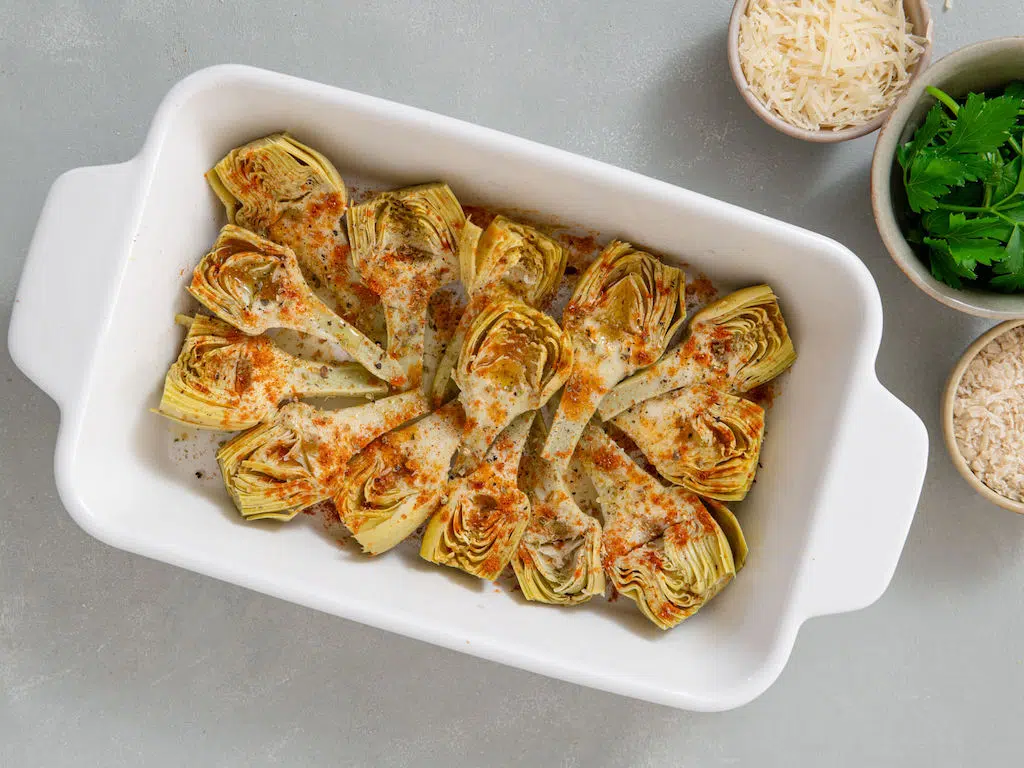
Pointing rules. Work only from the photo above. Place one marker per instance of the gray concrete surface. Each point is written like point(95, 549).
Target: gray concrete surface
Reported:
point(107, 659)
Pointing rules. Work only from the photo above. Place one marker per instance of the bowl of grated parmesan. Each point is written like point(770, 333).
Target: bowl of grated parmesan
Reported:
point(983, 415)
point(827, 70)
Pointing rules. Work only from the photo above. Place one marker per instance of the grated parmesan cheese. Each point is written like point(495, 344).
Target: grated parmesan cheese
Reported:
point(988, 415)
point(827, 64)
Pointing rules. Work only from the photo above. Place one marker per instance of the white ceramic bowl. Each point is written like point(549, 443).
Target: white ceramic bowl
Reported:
point(843, 465)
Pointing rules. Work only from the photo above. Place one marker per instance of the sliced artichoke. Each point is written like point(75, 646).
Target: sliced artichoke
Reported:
point(479, 525)
point(394, 484)
point(700, 438)
point(513, 360)
point(625, 309)
point(226, 380)
point(287, 192)
point(256, 285)
point(660, 546)
point(736, 343)
point(558, 560)
point(277, 469)
point(509, 260)
point(405, 245)
point(731, 528)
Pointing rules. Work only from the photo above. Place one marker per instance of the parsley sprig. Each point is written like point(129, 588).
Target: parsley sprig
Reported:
point(963, 171)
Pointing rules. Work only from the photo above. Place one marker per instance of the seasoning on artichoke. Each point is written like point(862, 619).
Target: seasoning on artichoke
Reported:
point(290, 193)
point(700, 438)
point(277, 469)
point(513, 360)
point(624, 311)
point(224, 379)
point(661, 547)
point(478, 527)
point(558, 560)
point(508, 261)
point(736, 343)
point(256, 285)
point(394, 484)
point(405, 245)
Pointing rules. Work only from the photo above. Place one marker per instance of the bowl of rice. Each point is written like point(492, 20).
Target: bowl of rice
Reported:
point(983, 415)
point(827, 70)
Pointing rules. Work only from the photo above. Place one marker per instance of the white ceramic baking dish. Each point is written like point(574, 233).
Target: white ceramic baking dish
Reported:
point(92, 326)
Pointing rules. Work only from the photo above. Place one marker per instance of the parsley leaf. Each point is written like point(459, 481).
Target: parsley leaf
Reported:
point(933, 172)
point(983, 125)
point(1010, 272)
point(922, 137)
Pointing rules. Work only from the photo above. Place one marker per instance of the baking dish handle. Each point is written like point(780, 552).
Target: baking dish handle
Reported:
point(69, 277)
point(869, 502)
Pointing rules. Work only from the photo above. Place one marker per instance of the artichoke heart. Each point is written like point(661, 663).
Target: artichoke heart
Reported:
point(256, 285)
point(509, 260)
point(700, 438)
point(479, 525)
point(290, 193)
point(513, 360)
point(624, 311)
point(735, 343)
point(394, 484)
point(405, 245)
point(224, 379)
point(661, 547)
point(277, 469)
point(558, 560)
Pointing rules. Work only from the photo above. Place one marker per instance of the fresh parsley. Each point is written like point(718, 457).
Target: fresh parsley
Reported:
point(963, 172)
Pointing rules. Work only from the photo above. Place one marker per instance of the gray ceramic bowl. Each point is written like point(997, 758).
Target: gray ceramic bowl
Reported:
point(977, 67)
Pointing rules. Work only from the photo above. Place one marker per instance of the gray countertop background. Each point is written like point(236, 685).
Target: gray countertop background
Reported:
point(109, 659)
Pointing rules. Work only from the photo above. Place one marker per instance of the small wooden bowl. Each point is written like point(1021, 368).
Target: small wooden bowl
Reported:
point(947, 417)
point(920, 16)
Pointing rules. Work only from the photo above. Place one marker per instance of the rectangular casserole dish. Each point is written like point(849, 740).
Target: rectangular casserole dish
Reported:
point(92, 326)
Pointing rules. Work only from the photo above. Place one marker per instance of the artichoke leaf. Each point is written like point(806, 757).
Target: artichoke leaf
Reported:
point(394, 484)
point(482, 519)
point(700, 438)
point(406, 245)
point(622, 315)
point(660, 547)
point(558, 560)
point(735, 343)
point(278, 468)
point(255, 285)
point(731, 528)
point(224, 379)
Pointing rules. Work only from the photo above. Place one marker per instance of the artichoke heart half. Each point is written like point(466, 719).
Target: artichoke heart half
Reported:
point(509, 261)
point(405, 245)
point(479, 525)
point(700, 438)
point(624, 311)
point(513, 360)
point(290, 193)
point(224, 379)
point(277, 469)
point(394, 484)
point(558, 560)
point(661, 547)
point(256, 285)
point(735, 343)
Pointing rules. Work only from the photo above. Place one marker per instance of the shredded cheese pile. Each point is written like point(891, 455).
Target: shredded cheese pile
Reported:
point(827, 64)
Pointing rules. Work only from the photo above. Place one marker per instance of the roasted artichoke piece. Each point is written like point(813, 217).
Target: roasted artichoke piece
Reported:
point(478, 527)
point(731, 528)
point(513, 360)
point(290, 193)
point(660, 547)
point(277, 469)
point(700, 438)
point(625, 309)
point(224, 379)
point(394, 484)
point(405, 245)
point(558, 560)
point(256, 285)
point(509, 261)
point(736, 343)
